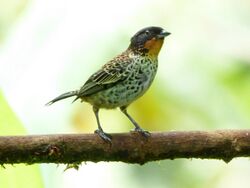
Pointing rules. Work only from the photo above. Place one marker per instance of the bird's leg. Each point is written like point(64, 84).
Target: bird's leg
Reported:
point(106, 137)
point(137, 127)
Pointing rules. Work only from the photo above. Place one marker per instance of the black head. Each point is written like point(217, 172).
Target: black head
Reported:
point(141, 37)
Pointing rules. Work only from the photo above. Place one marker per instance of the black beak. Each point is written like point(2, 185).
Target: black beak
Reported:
point(163, 34)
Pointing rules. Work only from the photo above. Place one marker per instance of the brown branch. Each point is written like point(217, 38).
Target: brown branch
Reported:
point(126, 147)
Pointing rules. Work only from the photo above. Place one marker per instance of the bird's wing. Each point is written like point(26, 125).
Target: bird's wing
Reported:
point(110, 74)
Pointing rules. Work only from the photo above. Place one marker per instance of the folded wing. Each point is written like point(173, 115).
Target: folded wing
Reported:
point(111, 73)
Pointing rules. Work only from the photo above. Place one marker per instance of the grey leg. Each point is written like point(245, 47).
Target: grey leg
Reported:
point(137, 127)
point(106, 137)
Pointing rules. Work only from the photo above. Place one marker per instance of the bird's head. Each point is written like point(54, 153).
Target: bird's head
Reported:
point(148, 40)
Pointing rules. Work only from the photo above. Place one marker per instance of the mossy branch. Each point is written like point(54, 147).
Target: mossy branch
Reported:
point(125, 147)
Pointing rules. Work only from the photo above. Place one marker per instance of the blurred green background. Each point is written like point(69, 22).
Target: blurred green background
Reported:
point(203, 83)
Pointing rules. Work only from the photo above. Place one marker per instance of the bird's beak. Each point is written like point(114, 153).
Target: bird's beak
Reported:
point(163, 34)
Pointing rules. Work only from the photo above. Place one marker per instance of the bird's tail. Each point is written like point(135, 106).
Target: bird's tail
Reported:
point(63, 96)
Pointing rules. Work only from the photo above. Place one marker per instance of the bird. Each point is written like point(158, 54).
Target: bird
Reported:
point(122, 80)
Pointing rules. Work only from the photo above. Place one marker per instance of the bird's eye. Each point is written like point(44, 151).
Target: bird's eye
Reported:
point(147, 32)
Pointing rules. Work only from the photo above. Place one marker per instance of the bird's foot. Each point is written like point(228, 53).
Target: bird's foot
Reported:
point(144, 133)
point(106, 137)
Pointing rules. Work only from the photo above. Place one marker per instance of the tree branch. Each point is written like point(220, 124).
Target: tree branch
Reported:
point(126, 147)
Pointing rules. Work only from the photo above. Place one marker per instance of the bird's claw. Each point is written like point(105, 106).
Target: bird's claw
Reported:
point(144, 133)
point(106, 137)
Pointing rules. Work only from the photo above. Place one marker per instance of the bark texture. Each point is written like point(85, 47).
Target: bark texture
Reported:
point(125, 147)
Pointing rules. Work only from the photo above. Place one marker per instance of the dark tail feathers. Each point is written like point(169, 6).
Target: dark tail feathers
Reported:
point(63, 96)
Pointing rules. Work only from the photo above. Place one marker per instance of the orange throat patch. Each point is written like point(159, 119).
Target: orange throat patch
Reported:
point(154, 46)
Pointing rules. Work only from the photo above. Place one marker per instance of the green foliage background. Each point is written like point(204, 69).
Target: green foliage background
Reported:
point(50, 47)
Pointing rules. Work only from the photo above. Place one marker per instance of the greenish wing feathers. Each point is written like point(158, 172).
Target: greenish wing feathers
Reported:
point(110, 74)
